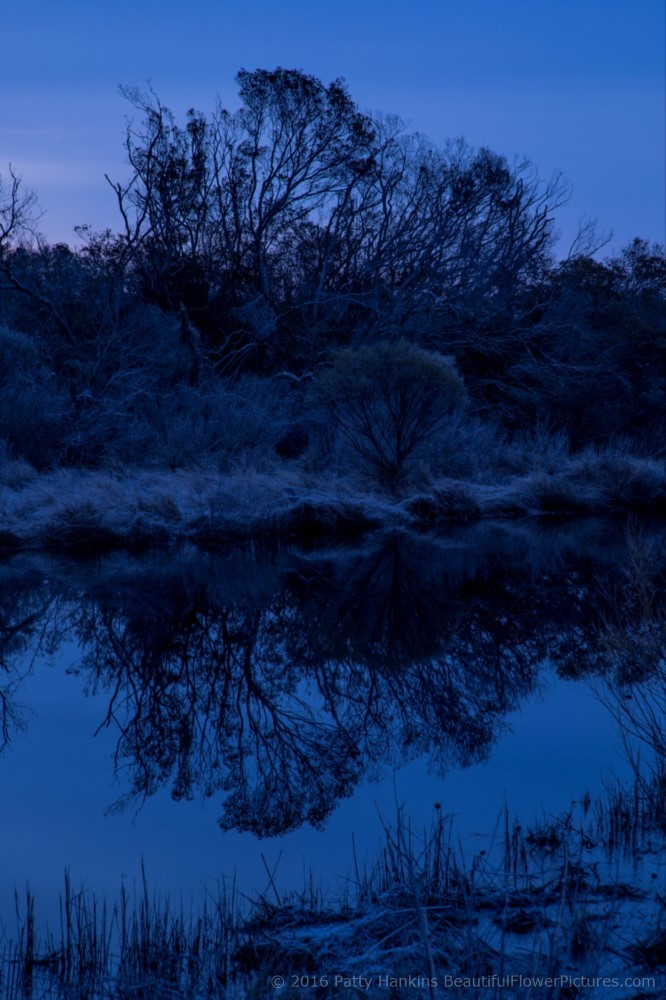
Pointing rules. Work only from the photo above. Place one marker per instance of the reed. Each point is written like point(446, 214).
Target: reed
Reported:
point(539, 900)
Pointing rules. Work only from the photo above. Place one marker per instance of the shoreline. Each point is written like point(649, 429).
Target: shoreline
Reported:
point(79, 510)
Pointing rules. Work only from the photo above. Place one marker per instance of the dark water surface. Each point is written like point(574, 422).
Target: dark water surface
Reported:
point(215, 714)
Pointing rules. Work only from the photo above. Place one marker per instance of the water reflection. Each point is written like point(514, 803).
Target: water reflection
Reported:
point(279, 680)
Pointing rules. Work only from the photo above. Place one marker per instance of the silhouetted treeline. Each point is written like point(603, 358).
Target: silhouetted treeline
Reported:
point(269, 257)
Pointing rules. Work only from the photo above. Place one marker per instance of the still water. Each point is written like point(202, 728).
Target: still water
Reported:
point(218, 716)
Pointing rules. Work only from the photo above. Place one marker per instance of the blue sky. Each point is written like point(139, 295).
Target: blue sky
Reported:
point(575, 85)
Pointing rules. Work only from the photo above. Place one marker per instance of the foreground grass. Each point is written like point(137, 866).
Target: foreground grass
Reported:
point(569, 900)
point(83, 510)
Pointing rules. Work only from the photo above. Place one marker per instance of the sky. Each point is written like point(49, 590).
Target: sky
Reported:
point(573, 85)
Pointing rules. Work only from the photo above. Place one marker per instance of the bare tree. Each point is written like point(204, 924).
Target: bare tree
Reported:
point(19, 214)
point(296, 221)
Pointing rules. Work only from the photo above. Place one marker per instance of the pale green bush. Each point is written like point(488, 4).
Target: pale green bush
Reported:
point(388, 402)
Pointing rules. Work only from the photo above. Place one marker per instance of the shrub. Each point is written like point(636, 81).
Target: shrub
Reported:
point(388, 401)
point(33, 406)
point(625, 480)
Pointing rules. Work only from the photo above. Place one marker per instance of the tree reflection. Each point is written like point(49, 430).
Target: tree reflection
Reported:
point(285, 704)
point(25, 613)
point(280, 682)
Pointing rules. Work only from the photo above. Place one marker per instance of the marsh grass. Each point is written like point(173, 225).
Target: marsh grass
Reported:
point(538, 900)
point(141, 946)
point(82, 510)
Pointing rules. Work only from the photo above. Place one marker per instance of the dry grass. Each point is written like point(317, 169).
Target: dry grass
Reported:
point(537, 901)
point(88, 510)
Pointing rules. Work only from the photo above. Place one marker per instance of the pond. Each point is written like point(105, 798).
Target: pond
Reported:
point(259, 715)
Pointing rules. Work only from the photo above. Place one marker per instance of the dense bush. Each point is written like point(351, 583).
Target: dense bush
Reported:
point(33, 407)
point(388, 402)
